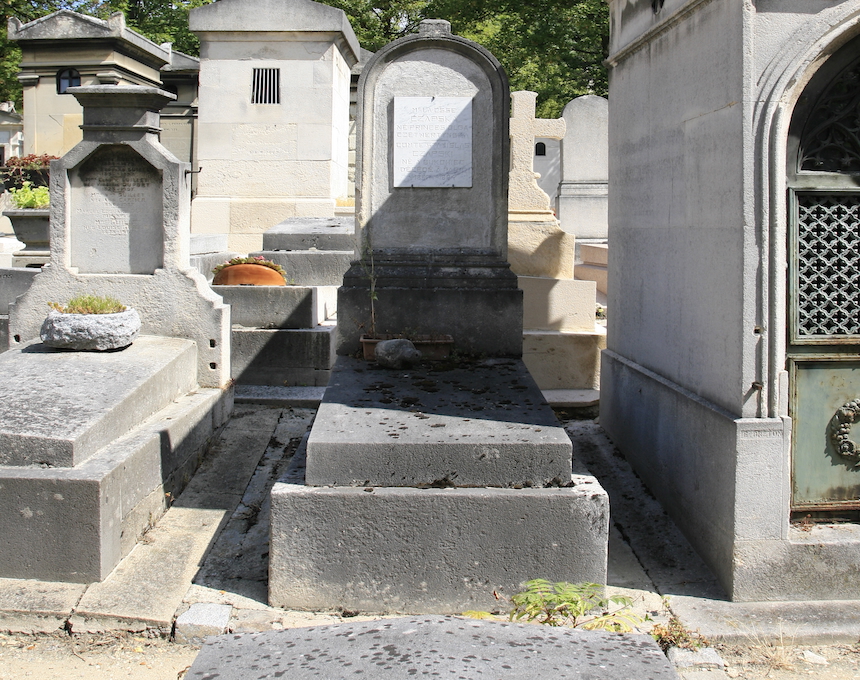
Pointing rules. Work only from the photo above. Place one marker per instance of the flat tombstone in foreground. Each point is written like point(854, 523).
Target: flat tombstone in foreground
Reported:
point(431, 204)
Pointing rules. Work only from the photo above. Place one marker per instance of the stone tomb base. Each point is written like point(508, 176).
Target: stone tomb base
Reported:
point(137, 431)
point(378, 548)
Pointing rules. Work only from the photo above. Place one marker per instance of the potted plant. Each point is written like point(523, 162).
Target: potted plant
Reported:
point(249, 271)
point(90, 322)
point(30, 168)
point(31, 217)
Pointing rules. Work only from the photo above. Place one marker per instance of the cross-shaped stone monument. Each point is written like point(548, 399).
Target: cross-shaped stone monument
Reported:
point(524, 193)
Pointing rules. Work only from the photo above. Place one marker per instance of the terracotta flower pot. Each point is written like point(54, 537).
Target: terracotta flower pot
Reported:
point(248, 275)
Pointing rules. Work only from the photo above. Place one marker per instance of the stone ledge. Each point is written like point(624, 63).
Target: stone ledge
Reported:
point(447, 550)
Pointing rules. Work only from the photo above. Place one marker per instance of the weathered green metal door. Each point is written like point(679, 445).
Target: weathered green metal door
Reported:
point(824, 288)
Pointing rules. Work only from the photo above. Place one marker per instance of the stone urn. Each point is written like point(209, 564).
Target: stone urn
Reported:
point(90, 331)
point(248, 275)
point(32, 227)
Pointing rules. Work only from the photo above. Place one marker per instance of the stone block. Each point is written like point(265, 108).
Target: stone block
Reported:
point(311, 267)
point(483, 424)
point(206, 262)
point(75, 524)
point(306, 233)
point(201, 620)
point(273, 306)
point(58, 408)
point(540, 248)
point(590, 272)
point(562, 360)
point(596, 254)
point(283, 356)
point(211, 215)
point(14, 282)
point(433, 645)
point(447, 550)
point(202, 244)
point(481, 321)
point(557, 304)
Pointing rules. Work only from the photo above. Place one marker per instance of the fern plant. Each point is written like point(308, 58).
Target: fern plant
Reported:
point(578, 605)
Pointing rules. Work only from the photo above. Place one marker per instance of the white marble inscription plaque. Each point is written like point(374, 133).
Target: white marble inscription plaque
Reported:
point(432, 142)
point(116, 214)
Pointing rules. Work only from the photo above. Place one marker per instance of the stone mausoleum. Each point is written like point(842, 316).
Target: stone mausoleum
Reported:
point(731, 378)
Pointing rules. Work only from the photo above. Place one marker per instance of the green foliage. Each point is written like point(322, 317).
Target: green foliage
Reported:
point(89, 304)
point(553, 47)
point(29, 196)
point(581, 605)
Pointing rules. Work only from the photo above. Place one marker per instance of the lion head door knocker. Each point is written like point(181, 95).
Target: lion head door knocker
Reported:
point(839, 430)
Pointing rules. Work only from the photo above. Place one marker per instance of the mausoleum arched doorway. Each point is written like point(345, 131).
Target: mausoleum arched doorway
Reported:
point(823, 325)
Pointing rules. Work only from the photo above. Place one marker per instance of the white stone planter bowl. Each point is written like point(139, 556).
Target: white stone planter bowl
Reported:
point(90, 331)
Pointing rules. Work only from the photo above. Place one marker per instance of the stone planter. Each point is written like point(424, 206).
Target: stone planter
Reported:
point(90, 331)
point(248, 275)
point(432, 347)
point(33, 228)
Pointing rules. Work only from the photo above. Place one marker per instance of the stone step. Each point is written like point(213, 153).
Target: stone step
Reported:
point(59, 408)
point(311, 267)
point(598, 274)
point(279, 306)
point(283, 357)
point(561, 360)
point(305, 233)
point(479, 424)
point(75, 524)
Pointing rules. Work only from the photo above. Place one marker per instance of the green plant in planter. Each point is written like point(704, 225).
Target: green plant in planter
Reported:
point(258, 259)
point(29, 196)
point(31, 167)
point(89, 304)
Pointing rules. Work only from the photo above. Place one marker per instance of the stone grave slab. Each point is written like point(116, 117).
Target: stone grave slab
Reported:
point(305, 233)
point(74, 524)
point(58, 408)
point(432, 645)
point(481, 423)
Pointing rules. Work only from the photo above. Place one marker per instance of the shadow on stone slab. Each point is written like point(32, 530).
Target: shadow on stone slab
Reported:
point(432, 645)
point(498, 390)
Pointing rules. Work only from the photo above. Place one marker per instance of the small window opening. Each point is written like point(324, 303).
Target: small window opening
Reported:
point(67, 78)
point(266, 86)
point(540, 149)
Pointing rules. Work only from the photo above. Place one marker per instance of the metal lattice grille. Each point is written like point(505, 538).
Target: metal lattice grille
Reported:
point(831, 138)
point(828, 264)
point(266, 88)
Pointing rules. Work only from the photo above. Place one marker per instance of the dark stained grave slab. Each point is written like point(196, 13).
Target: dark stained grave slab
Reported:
point(464, 424)
point(432, 646)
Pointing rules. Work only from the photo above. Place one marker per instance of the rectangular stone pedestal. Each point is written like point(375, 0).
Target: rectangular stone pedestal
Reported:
point(376, 549)
point(475, 424)
point(367, 525)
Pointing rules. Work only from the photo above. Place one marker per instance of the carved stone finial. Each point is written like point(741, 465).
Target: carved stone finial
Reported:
point(434, 28)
